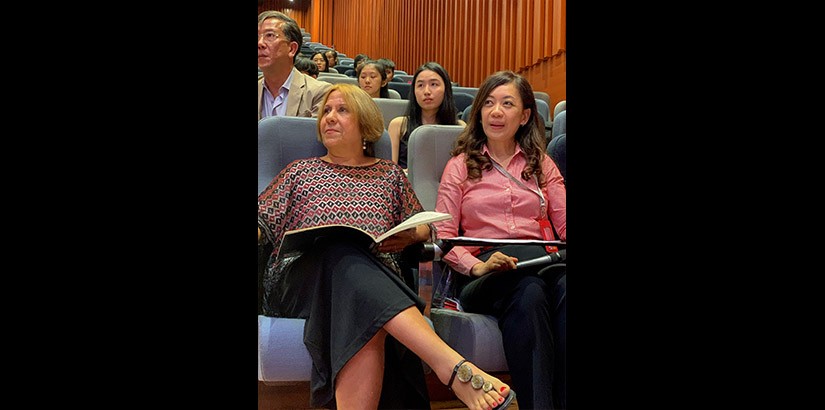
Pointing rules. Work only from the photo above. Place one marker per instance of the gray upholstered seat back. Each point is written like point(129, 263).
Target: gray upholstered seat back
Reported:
point(391, 108)
point(466, 115)
point(338, 80)
point(282, 140)
point(560, 106)
point(557, 150)
point(541, 95)
point(544, 111)
point(427, 153)
point(402, 88)
point(560, 124)
point(462, 100)
point(469, 90)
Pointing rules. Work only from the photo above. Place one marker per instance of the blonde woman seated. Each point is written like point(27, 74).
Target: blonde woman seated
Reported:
point(431, 102)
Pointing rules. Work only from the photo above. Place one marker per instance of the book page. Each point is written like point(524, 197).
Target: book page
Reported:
point(423, 217)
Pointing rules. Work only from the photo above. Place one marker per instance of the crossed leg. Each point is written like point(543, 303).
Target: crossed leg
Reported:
point(358, 384)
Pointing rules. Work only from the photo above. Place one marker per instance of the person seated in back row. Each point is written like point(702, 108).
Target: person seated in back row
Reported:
point(356, 62)
point(372, 78)
point(430, 102)
point(283, 90)
point(364, 328)
point(306, 66)
point(332, 58)
point(320, 59)
point(390, 66)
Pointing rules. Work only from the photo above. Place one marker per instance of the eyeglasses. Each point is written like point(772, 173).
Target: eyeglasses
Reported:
point(269, 36)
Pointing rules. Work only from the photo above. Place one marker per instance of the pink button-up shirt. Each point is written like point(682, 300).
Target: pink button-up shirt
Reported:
point(495, 207)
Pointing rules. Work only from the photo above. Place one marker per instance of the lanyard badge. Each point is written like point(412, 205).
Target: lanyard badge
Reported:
point(547, 233)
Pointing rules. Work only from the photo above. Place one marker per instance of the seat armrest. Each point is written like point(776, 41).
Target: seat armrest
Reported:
point(421, 252)
point(419, 258)
point(425, 284)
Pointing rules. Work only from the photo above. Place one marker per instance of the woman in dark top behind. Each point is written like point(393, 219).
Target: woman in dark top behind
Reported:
point(431, 102)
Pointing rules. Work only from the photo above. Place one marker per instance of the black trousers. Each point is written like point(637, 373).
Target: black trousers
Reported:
point(531, 308)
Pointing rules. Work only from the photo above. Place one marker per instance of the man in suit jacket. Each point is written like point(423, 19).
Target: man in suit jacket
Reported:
point(279, 39)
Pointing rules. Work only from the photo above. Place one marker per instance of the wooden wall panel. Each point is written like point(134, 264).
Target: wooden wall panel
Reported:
point(470, 38)
point(298, 10)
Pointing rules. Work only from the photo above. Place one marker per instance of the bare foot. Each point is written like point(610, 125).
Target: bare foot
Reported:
point(477, 399)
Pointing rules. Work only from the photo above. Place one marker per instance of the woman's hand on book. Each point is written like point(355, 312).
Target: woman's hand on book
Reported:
point(399, 241)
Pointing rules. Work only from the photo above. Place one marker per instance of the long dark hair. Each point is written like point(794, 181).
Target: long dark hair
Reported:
point(529, 136)
point(447, 113)
point(304, 64)
point(324, 56)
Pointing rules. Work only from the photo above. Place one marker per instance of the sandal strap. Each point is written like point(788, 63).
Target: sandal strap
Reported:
point(455, 370)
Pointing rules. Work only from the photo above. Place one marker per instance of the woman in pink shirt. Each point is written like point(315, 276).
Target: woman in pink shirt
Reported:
point(501, 184)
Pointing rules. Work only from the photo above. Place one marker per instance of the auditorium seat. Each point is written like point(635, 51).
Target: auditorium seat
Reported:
point(391, 108)
point(475, 336)
point(462, 100)
point(402, 88)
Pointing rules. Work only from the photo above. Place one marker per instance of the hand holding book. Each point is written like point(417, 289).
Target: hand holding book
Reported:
point(400, 240)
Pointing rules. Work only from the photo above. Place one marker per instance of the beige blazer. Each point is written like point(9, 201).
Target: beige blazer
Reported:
point(305, 95)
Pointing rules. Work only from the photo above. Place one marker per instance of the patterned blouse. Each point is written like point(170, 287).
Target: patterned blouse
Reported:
point(311, 192)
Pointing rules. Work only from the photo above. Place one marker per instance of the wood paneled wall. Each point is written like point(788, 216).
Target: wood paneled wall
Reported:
point(470, 38)
point(297, 9)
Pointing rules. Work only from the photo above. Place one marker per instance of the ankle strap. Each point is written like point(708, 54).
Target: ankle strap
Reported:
point(455, 370)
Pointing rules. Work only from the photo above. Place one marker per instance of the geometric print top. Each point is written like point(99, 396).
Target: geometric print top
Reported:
point(311, 192)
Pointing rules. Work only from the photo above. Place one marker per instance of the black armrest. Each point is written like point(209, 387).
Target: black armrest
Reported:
point(264, 251)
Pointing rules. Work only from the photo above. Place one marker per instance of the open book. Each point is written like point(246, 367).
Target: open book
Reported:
point(300, 239)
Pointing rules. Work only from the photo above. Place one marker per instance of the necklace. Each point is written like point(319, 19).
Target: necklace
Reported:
point(366, 161)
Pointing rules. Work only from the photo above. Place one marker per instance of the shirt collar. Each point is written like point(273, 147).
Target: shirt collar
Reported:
point(285, 86)
point(485, 150)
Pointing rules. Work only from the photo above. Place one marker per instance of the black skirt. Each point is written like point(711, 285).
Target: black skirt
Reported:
point(346, 295)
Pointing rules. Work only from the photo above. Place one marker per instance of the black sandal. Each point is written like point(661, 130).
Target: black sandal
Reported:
point(465, 374)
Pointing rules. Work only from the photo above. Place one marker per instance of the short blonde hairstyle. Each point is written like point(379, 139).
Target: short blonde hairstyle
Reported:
point(370, 119)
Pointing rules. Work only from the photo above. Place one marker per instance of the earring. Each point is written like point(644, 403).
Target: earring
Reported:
point(363, 144)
